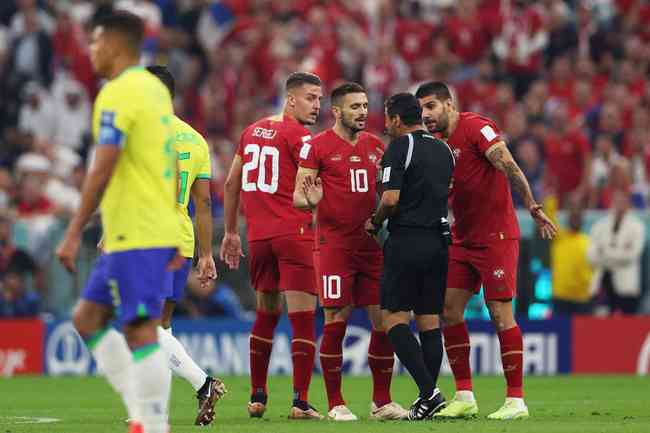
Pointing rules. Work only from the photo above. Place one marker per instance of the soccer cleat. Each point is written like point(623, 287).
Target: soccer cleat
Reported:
point(257, 405)
point(458, 409)
point(425, 408)
point(211, 392)
point(341, 413)
point(303, 410)
point(513, 408)
point(390, 411)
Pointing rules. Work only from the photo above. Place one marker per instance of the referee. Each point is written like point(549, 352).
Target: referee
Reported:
point(417, 171)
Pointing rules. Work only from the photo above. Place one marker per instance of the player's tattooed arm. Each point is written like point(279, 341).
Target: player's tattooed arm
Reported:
point(308, 190)
point(501, 158)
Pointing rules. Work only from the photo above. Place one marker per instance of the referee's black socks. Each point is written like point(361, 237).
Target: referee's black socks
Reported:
point(410, 354)
point(431, 342)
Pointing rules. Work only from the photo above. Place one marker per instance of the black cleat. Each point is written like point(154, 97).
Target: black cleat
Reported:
point(211, 391)
point(423, 409)
point(300, 409)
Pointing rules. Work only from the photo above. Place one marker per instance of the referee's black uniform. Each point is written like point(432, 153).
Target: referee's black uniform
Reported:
point(415, 253)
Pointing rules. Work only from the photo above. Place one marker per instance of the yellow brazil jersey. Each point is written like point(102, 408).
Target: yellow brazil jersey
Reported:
point(193, 164)
point(134, 111)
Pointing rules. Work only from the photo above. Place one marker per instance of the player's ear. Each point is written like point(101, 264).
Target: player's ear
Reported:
point(336, 111)
point(291, 99)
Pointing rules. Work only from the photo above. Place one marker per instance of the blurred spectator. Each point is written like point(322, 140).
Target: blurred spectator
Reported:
point(527, 155)
point(521, 42)
point(15, 264)
point(31, 51)
point(72, 109)
point(571, 271)
point(617, 242)
point(568, 154)
point(16, 300)
point(38, 116)
point(605, 158)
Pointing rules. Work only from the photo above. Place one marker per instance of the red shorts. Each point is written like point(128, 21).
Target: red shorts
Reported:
point(348, 277)
point(494, 266)
point(282, 263)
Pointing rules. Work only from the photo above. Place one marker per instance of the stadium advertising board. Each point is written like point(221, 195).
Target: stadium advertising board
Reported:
point(221, 347)
point(611, 345)
point(21, 347)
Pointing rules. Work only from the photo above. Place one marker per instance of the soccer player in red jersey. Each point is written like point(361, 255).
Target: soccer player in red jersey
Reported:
point(337, 176)
point(485, 246)
point(280, 238)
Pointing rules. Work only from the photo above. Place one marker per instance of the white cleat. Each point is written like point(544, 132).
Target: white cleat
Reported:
point(390, 411)
point(341, 413)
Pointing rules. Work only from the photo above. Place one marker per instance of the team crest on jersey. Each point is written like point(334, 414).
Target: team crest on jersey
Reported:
point(336, 157)
point(355, 158)
point(372, 157)
point(499, 274)
point(456, 153)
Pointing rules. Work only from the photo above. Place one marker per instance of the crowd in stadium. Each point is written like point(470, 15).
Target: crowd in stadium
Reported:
point(567, 82)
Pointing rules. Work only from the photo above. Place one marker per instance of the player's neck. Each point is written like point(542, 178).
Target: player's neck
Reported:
point(121, 64)
point(411, 129)
point(345, 133)
point(453, 122)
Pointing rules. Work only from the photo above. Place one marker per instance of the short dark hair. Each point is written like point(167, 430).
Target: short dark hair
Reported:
point(406, 106)
point(163, 74)
point(345, 89)
point(297, 79)
point(436, 88)
point(125, 23)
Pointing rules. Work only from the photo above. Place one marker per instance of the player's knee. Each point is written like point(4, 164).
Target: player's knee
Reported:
point(337, 314)
point(452, 314)
point(86, 321)
point(501, 314)
point(269, 303)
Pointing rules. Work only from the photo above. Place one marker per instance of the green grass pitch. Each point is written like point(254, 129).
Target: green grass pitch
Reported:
point(568, 404)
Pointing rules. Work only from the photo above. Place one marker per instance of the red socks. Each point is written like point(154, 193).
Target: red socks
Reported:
point(261, 344)
point(457, 348)
point(331, 360)
point(380, 361)
point(512, 358)
point(303, 351)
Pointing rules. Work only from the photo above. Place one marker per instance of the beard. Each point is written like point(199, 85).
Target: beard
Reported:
point(352, 125)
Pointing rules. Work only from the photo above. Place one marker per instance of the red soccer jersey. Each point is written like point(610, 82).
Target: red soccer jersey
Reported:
point(349, 176)
point(480, 198)
point(269, 150)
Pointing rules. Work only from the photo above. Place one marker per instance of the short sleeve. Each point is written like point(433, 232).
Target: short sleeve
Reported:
point(394, 164)
point(298, 143)
point(309, 157)
point(113, 118)
point(484, 133)
point(205, 167)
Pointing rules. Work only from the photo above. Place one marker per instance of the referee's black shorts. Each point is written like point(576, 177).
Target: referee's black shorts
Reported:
point(415, 271)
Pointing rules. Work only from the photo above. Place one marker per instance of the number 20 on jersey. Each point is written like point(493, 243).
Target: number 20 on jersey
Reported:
point(265, 182)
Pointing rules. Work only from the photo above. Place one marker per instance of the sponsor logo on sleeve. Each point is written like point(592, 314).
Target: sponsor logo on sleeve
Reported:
point(304, 150)
point(386, 176)
point(488, 133)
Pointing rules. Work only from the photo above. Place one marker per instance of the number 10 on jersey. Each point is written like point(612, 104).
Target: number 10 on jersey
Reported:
point(359, 180)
